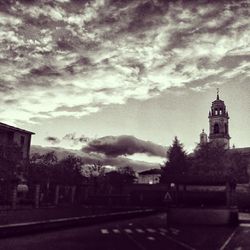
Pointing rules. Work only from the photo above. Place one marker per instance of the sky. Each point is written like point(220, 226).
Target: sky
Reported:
point(117, 80)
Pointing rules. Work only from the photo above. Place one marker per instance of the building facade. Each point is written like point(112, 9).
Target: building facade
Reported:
point(151, 176)
point(14, 143)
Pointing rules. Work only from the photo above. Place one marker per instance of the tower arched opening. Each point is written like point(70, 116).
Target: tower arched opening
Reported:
point(216, 128)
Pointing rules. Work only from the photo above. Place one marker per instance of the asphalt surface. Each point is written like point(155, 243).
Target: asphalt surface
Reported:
point(142, 233)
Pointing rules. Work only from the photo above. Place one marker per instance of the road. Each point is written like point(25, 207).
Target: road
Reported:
point(146, 233)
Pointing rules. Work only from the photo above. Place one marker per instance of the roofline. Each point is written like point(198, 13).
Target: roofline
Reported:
point(15, 128)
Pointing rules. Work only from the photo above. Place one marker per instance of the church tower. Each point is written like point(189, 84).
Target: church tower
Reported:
point(203, 138)
point(218, 123)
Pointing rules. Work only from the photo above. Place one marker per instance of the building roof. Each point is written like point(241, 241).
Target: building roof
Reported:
point(151, 171)
point(12, 128)
point(241, 150)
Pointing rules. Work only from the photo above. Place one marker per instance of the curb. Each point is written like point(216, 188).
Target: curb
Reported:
point(19, 229)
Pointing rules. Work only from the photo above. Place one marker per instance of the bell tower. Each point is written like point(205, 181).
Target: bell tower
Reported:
point(218, 123)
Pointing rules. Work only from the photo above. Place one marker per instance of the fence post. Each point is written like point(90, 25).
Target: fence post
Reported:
point(57, 195)
point(37, 195)
point(14, 197)
point(73, 193)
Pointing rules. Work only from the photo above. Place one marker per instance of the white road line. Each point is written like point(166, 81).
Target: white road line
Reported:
point(184, 245)
point(150, 230)
point(174, 230)
point(151, 238)
point(104, 231)
point(163, 229)
point(162, 233)
point(244, 224)
point(228, 240)
point(127, 230)
point(139, 231)
point(116, 231)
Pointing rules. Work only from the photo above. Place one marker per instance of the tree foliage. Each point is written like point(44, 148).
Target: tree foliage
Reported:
point(214, 160)
point(177, 162)
point(48, 169)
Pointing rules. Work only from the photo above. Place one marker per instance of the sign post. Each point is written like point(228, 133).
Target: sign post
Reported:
point(167, 200)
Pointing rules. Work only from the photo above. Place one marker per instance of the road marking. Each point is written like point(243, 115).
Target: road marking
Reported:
point(127, 230)
point(162, 233)
point(244, 224)
point(163, 229)
point(228, 240)
point(138, 244)
point(104, 231)
point(116, 231)
point(174, 231)
point(184, 245)
point(139, 230)
point(150, 230)
point(130, 224)
point(151, 238)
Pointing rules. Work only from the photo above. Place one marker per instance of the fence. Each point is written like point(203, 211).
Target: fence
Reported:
point(36, 195)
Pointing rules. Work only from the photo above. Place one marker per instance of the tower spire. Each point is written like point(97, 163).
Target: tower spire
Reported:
point(218, 91)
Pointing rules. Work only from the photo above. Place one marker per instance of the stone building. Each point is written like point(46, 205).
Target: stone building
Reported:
point(219, 130)
point(14, 143)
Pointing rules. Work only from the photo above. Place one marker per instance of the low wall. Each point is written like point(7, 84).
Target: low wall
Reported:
point(203, 216)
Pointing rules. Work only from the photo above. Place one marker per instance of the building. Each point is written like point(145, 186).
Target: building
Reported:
point(151, 176)
point(14, 143)
point(219, 130)
point(218, 123)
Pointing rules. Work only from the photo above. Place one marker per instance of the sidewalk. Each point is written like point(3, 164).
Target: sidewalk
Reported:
point(40, 214)
point(33, 225)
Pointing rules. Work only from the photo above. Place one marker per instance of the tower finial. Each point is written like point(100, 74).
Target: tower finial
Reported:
point(218, 91)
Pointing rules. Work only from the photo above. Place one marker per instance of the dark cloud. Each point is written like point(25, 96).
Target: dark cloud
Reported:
point(11, 101)
point(124, 145)
point(4, 87)
point(91, 158)
point(44, 71)
point(77, 108)
point(76, 139)
point(52, 139)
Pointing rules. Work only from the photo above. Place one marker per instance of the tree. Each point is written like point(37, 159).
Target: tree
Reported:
point(69, 170)
point(41, 167)
point(122, 176)
point(213, 162)
point(209, 158)
point(177, 162)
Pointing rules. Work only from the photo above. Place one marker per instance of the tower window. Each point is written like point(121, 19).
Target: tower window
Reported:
point(220, 111)
point(216, 111)
point(216, 128)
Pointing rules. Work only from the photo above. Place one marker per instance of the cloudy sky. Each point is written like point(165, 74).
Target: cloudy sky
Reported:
point(121, 78)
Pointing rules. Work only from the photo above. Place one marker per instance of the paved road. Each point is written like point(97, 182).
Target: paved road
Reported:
point(147, 233)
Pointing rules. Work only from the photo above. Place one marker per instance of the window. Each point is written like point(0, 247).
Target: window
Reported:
point(220, 111)
point(216, 111)
point(10, 136)
point(22, 140)
point(216, 128)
